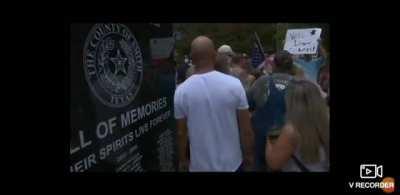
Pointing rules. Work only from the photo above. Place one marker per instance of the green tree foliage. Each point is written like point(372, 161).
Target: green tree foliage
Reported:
point(240, 35)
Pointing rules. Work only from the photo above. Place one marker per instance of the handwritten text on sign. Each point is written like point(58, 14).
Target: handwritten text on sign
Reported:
point(302, 41)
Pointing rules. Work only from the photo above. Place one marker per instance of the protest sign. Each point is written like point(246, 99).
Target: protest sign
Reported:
point(302, 41)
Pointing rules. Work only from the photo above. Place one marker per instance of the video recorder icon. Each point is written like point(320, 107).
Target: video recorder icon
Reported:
point(371, 171)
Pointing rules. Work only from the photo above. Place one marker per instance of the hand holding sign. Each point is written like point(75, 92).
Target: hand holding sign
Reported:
point(302, 41)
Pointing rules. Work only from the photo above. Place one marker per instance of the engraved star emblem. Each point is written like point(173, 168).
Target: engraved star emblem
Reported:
point(313, 32)
point(119, 63)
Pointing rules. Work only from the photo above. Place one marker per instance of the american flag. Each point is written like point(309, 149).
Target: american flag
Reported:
point(257, 53)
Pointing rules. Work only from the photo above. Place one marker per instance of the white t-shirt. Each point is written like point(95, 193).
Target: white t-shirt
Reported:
point(210, 102)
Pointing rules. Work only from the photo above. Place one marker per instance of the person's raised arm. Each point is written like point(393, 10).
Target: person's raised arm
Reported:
point(321, 61)
point(322, 50)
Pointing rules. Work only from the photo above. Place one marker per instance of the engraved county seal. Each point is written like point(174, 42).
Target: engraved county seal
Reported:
point(113, 64)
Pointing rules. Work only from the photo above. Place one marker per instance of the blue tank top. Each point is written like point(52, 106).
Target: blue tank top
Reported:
point(268, 117)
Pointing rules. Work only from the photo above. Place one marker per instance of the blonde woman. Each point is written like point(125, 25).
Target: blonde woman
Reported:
point(303, 143)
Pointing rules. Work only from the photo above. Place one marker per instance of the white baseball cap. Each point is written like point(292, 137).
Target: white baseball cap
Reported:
point(226, 49)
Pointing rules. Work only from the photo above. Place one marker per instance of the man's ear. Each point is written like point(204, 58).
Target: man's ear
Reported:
point(214, 55)
point(193, 56)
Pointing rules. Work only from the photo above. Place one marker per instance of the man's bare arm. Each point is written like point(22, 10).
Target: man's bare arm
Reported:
point(279, 153)
point(246, 137)
point(182, 143)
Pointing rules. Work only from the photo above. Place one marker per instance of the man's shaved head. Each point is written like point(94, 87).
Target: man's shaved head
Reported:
point(203, 51)
point(202, 43)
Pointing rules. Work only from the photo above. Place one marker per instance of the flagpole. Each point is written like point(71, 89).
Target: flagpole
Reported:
point(259, 43)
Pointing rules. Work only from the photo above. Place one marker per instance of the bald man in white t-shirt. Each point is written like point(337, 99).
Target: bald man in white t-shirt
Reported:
point(210, 107)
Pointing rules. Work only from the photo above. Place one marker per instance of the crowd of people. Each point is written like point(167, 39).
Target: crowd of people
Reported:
point(234, 117)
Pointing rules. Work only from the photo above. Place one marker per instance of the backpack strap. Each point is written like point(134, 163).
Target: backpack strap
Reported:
point(271, 84)
point(299, 164)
